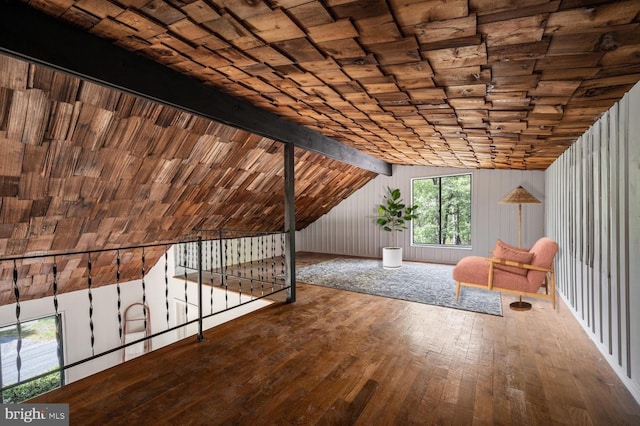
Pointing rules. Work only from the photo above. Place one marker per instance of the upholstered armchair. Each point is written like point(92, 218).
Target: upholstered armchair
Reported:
point(511, 270)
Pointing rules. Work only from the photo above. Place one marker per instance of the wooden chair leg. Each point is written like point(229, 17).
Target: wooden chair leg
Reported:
point(553, 287)
point(457, 290)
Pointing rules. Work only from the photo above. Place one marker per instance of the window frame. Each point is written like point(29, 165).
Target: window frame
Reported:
point(445, 246)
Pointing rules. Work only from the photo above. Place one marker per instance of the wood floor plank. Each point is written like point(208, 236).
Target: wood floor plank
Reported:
point(483, 402)
point(337, 357)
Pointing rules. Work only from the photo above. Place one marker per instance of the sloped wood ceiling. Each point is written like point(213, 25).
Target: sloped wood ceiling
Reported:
point(462, 83)
point(84, 167)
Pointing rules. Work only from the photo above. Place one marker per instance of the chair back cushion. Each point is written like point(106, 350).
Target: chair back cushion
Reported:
point(543, 252)
point(514, 254)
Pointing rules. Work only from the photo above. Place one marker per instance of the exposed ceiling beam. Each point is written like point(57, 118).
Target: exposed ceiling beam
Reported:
point(33, 36)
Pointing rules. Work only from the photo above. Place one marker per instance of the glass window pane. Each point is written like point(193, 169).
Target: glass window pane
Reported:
point(38, 355)
point(444, 215)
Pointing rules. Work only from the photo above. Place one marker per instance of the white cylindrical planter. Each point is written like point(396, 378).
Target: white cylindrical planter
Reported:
point(391, 257)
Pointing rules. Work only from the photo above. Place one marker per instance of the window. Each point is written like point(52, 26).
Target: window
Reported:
point(444, 212)
point(38, 355)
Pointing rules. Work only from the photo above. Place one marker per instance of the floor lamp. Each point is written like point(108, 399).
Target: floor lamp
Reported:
point(520, 196)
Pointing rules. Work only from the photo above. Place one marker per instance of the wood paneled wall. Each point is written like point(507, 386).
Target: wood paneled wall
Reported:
point(350, 229)
point(593, 211)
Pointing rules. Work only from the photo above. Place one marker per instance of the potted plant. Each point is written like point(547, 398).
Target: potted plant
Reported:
point(392, 217)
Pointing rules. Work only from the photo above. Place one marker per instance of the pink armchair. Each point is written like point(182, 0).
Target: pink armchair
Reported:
point(512, 270)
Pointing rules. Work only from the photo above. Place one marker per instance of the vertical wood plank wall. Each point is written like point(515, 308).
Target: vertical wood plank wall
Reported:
point(350, 229)
point(593, 211)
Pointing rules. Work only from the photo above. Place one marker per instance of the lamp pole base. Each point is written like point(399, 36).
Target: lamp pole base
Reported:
point(520, 305)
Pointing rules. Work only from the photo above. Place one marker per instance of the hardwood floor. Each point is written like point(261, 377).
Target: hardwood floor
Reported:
point(341, 358)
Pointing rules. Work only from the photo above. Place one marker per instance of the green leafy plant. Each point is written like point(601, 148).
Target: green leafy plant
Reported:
point(31, 388)
point(393, 214)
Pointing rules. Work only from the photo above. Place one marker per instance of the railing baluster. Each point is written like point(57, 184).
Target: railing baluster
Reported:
point(226, 278)
point(262, 269)
point(282, 258)
point(89, 284)
point(194, 257)
point(199, 253)
point(186, 304)
point(238, 260)
point(251, 264)
point(166, 282)
point(220, 258)
point(244, 258)
point(118, 291)
point(144, 296)
point(273, 262)
point(211, 257)
point(59, 352)
point(16, 293)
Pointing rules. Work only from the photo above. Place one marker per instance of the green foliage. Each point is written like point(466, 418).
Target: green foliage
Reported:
point(393, 214)
point(31, 389)
point(38, 330)
point(445, 210)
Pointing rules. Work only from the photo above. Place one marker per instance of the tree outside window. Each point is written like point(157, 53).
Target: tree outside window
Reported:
point(444, 216)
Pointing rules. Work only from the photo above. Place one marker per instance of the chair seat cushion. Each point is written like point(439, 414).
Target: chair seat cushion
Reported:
point(475, 270)
point(472, 269)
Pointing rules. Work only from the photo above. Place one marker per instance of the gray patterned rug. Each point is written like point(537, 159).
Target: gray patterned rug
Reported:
point(427, 283)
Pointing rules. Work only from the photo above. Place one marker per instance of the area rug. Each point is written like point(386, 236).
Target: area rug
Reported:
point(427, 283)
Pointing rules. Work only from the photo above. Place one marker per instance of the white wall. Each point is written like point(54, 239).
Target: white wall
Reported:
point(593, 211)
point(349, 228)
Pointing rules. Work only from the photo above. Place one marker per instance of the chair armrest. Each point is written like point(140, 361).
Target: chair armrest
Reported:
point(516, 264)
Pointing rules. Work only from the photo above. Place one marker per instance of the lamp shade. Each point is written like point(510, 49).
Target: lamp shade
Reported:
point(519, 196)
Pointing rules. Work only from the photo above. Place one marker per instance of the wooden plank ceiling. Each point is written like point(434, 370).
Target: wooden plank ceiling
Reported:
point(475, 84)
